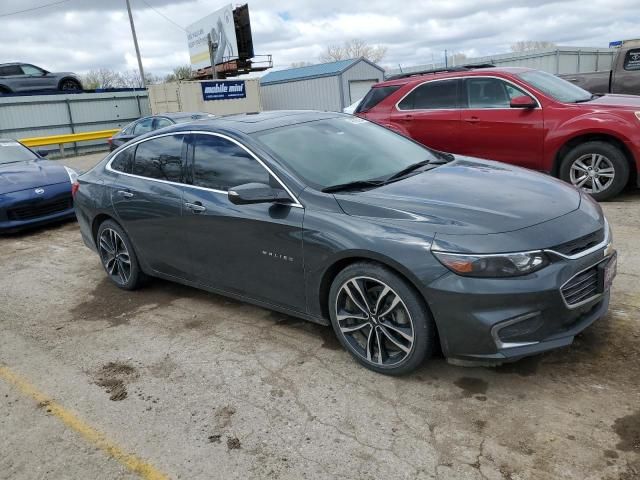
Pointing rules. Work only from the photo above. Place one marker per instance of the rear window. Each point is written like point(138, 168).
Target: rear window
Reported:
point(375, 96)
point(632, 59)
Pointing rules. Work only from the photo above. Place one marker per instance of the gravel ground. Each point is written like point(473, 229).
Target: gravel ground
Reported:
point(172, 382)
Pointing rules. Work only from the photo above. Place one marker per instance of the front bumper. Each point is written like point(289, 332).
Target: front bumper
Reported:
point(26, 209)
point(470, 312)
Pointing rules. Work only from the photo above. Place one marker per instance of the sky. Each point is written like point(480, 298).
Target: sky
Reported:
point(83, 35)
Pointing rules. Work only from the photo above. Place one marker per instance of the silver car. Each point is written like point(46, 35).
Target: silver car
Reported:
point(23, 77)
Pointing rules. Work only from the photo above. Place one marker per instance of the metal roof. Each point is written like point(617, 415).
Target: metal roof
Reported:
point(311, 71)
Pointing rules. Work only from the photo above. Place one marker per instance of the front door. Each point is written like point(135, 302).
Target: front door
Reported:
point(492, 129)
point(147, 196)
point(251, 250)
point(430, 114)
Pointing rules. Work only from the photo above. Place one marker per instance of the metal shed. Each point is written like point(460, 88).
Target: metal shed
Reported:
point(326, 86)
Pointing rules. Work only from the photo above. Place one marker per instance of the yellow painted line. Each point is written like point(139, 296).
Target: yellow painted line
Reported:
point(90, 434)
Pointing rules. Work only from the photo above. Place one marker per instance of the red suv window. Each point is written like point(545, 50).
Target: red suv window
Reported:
point(437, 94)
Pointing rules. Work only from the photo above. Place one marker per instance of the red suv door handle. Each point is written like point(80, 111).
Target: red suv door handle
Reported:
point(406, 118)
point(472, 120)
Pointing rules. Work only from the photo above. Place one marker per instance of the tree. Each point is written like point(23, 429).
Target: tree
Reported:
point(354, 48)
point(106, 78)
point(300, 64)
point(527, 45)
point(182, 72)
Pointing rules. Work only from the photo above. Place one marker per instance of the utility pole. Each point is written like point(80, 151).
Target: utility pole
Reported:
point(135, 43)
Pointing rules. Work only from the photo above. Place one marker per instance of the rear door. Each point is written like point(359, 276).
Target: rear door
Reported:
point(430, 114)
point(492, 129)
point(147, 197)
point(252, 250)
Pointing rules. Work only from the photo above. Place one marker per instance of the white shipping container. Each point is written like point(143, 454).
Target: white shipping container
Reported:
point(188, 97)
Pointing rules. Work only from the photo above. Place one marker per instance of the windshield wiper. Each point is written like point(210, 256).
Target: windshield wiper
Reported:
point(407, 170)
point(358, 184)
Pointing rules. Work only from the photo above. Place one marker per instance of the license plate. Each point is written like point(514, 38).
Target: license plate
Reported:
point(609, 272)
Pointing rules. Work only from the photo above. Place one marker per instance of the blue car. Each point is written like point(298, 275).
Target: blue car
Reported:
point(33, 191)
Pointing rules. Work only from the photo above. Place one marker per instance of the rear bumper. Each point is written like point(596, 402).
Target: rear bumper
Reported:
point(26, 209)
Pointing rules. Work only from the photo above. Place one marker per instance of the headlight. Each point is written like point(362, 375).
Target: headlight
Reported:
point(73, 175)
point(493, 265)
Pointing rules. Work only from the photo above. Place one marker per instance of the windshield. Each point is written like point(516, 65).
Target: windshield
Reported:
point(11, 152)
point(341, 150)
point(555, 87)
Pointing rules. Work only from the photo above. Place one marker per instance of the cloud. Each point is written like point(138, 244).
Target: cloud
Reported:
point(81, 35)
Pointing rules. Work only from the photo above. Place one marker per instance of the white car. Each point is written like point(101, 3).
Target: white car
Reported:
point(352, 108)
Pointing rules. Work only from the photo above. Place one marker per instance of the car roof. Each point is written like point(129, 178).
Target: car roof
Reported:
point(179, 115)
point(454, 72)
point(258, 121)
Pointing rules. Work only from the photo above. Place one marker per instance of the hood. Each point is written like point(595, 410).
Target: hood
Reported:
point(611, 100)
point(32, 174)
point(468, 196)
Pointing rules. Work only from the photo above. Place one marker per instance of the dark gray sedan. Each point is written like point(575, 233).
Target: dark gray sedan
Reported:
point(153, 122)
point(24, 77)
point(340, 221)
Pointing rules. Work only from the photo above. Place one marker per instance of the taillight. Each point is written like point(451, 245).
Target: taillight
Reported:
point(75, 186)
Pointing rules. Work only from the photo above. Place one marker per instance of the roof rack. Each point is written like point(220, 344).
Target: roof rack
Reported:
point(461, 68)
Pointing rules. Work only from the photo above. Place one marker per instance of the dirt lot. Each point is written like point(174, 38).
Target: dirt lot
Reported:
point(171, 382)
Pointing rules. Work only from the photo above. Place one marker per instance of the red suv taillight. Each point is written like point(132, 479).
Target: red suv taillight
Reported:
point(75, 186)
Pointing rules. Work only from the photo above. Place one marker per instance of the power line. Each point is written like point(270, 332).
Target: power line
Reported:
point(34, 8)
point(163, 15)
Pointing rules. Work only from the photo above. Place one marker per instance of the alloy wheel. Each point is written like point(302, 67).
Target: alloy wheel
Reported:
point(69, 85)
point(115, 256)
point(593, 173)
point(374, 321)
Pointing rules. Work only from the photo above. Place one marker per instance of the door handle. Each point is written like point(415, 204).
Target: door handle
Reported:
point(125, 194)
point(472, 120)
point(406, 118)
point(196, 207)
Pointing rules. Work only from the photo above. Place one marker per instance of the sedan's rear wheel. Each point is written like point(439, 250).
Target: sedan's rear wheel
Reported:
point(69, 84)
point(598, 168)
point(117, 256)
point(380, 319)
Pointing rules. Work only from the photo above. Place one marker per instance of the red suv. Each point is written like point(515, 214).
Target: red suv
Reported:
point(520, 116)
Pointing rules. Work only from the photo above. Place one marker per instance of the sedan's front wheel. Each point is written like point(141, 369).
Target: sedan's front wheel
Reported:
point(380, 319)
point(117, 256)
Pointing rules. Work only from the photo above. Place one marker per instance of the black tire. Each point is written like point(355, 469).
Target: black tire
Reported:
point(589, 151)
point(410, 313)
point(69, 84)
point(4, 91)
point(126, 278)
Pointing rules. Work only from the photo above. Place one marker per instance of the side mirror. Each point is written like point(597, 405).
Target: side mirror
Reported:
point(42, 153)
point(256, 193)
point(523, 101)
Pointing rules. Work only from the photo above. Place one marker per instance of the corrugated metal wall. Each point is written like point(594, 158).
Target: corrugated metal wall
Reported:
point(187, 97)
point(308, 94)
point(554, 60)
point(43, 115)
point(358, 71)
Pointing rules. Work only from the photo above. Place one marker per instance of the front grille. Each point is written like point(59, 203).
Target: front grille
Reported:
point(581, 287)
point(40, 209)
point(580, 244)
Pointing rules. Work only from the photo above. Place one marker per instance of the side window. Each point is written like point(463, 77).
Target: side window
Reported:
point(632, 59)
point(374, 97)
point(31, 70)
point(9, 70)
point(487, 93)
point(124, 160)
point(143, 126)
point(432, 95)
point(160, 158)
point(161, 123)
point(220, 164)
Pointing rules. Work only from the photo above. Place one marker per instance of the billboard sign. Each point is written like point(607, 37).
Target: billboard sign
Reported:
point(223, 90)
point(222, 28)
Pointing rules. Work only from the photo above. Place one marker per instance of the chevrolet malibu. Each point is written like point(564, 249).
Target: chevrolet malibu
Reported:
point(337, 220)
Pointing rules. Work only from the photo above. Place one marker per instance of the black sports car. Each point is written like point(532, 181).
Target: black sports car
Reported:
point(338, 220)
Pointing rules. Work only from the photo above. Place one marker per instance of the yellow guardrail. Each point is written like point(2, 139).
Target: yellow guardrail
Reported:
point(60, 140)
